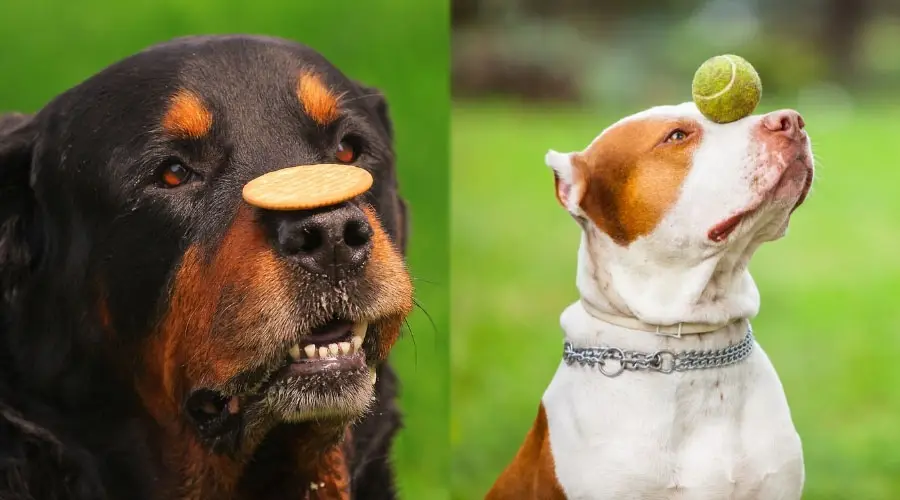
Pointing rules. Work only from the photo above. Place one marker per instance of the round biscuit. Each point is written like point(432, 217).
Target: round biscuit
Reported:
point(307, 186)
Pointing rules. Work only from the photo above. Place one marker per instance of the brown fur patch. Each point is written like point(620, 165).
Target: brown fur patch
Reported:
point(318, 101)
point(387, 270)
point(183, 353)
point(631, 177)
point(102, 311)
point(307, 461)
point(332, 476)
point(187, 117)
point(532, 473)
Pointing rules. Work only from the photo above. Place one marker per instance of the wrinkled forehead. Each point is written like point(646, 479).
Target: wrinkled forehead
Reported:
point(253, 78)
point(233, 89)
point(234, 71)
point(639, 132)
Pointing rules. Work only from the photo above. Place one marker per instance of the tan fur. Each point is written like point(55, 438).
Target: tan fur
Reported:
point(183, 353)
point(386, 267)
point(531, 475)
point(632, 177)
point(187, 117)
point(318, 101)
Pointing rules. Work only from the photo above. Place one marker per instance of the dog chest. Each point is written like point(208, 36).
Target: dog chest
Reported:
point(714, 434)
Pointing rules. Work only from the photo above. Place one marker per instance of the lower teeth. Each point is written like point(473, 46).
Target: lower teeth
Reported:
point(312, 351)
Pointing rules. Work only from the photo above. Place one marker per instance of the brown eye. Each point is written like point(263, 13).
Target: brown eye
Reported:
point(347, 152)
point(175, 175)
point(677, 135)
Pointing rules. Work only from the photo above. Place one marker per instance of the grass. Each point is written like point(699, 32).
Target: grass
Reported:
point(400, 46)
point(829, 318)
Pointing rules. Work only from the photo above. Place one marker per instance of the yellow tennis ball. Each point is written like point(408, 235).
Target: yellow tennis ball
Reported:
point(726, 88)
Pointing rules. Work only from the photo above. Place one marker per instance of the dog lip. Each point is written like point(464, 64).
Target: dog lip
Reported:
point(293, 372)
point(807, 185)
point(722, 230)
point(303, 367)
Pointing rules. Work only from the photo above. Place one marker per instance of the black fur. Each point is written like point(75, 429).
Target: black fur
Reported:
point(76, 211)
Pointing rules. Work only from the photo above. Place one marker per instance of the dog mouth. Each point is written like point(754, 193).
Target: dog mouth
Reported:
point(721, 231)
point(327, 364)
point(334, 346)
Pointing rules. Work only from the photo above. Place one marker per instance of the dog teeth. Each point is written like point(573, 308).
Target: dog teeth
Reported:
point(373, 376)
point(359, 329)
point(346, 348)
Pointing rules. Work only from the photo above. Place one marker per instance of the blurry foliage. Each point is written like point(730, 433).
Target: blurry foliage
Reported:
point(610, 51)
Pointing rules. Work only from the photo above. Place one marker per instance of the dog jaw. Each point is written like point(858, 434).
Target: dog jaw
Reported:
point(233, 322)
point(648, 206)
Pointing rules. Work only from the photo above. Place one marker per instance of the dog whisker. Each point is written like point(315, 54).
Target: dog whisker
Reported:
point(415, 346)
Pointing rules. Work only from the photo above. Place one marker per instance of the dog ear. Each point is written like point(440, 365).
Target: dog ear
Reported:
point(568, 180)
point(403, 223)
point(375, 100)
point(17, 206)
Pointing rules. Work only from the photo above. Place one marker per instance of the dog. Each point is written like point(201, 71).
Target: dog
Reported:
point(160, 338)
point(671, 206)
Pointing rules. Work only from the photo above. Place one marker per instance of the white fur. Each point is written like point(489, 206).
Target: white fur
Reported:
point(715, 434)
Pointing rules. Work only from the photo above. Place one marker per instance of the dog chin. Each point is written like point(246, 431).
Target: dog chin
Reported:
point(331, 399)
point(328, 395)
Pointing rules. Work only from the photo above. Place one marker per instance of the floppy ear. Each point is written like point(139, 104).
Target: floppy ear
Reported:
point(568, 180)
point(374, 98)
point(377, 103)
point(17, 206)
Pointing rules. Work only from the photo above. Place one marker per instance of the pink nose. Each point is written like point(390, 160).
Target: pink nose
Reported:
point(786, 122)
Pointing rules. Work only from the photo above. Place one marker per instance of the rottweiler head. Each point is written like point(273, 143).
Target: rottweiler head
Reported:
point(133, 273)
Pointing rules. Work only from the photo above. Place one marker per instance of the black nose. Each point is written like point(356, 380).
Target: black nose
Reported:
point(332, 241)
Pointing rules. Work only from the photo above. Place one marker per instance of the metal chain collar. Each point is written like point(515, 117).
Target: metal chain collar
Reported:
point(612, 361)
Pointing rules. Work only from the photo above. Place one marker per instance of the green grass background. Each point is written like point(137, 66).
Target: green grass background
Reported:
point(400, 46)
point(829, 320)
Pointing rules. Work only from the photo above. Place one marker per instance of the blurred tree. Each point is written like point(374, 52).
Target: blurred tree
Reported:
point(841, 27)
point(565, 49)
point(463, 12)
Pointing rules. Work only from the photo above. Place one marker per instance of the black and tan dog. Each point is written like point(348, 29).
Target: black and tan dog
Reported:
point(150, 318)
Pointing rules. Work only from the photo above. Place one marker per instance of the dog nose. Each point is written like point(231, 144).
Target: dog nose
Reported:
point(786, 122)
point(333, 241)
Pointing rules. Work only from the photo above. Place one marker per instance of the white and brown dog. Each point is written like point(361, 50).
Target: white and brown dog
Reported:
point(672, 207)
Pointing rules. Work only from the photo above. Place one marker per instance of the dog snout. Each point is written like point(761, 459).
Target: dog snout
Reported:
point(334, 241)
point(785, 122)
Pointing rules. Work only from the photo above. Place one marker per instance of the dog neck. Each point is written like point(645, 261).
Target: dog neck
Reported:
point(585, 329)
point(308, 460)
point(294, 461)
point(664, 286)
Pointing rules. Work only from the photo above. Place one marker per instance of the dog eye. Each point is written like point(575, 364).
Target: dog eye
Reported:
point(175, 174)
point(677, 135)
point(347, 150)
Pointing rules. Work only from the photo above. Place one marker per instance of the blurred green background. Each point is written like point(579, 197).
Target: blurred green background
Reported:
point(532, 75)
point(400, 46)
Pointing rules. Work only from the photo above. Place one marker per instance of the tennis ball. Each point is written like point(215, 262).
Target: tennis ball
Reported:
point(726, 88)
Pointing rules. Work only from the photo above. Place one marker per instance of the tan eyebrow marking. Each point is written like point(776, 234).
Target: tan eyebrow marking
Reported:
point(187, 116)
point(318, 101)
point(630, 185)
